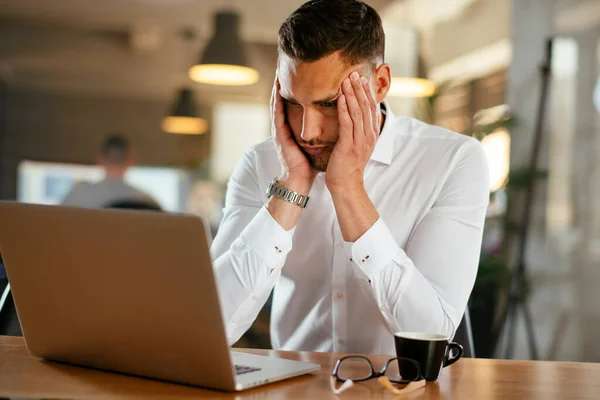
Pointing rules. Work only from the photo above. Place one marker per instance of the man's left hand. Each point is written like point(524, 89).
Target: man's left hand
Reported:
point(359, 128)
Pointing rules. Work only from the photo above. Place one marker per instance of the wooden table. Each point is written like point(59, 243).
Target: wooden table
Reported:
point(22, 375)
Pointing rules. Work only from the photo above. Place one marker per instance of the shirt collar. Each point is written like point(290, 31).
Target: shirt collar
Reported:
point(384, 146)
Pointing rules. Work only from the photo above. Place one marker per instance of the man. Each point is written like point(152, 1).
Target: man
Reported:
point(112, 191)
point(390, 238)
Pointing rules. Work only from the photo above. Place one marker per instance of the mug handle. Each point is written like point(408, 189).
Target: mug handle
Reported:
point(452, 346)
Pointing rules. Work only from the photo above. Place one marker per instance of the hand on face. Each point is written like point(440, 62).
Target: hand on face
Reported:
point(358, 130)
point(294, 163)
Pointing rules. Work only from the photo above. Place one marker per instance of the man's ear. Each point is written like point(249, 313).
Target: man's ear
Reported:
point(383, 79)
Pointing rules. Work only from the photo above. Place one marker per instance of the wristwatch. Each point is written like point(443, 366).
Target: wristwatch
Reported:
point(275, 189)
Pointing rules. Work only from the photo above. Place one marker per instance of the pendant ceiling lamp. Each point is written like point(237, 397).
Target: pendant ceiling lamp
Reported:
point(402, 53)
point(183, 118)
point(224, 60)
point(411, 87)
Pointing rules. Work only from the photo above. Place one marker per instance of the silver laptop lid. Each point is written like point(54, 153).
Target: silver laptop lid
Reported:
point(127, 291)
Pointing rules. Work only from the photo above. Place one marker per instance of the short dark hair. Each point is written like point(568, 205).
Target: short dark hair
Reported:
point(321, 27)
point(115, 149)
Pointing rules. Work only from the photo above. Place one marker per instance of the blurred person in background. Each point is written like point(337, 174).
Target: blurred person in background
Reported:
point(391, 237)
point(113, 192)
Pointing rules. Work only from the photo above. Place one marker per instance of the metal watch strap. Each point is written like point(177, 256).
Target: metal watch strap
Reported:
point(283, 193)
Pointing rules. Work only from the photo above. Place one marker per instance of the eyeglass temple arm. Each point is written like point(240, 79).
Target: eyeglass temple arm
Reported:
point(412, 386)
point(346, 385)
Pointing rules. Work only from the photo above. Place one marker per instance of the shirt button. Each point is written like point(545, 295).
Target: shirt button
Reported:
point(254, 297)
point(340, 245)
point(339, 295)
point(383, 308)
point(341, 341)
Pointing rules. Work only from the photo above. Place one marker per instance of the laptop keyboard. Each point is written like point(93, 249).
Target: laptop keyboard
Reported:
point(242, 369)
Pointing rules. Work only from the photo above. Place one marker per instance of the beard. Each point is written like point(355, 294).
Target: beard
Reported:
point(319, 162)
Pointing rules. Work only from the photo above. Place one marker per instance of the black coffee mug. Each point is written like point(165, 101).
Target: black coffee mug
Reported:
point(430, 350)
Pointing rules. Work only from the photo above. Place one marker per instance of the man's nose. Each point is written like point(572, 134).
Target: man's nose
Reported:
point(311, 124)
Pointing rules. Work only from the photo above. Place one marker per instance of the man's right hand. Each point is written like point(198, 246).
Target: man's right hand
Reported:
point(295, 167)
point(296, 172)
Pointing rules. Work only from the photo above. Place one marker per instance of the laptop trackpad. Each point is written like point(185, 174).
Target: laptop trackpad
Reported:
point(262, 369)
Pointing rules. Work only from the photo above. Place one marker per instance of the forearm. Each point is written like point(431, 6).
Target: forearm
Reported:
point(355, 212)
point(426, 286)
point(247, 271)
point(244, 286)
point(285, 213)
point(409, 302)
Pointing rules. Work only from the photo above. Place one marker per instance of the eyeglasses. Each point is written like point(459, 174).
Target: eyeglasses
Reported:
point(351, 369)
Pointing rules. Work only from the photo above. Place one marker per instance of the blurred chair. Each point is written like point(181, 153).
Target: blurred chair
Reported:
point(134, 205)
point(464, 335)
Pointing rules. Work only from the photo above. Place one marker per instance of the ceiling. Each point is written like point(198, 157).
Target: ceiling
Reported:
point(131, 48)
point(424, 14)
point(134, 48)
point(261, 18)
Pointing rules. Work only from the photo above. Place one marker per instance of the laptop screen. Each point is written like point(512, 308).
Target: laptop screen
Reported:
point(2, 271)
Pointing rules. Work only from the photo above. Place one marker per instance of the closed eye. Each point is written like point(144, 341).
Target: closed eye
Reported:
point(289, 102)
point(328, 104)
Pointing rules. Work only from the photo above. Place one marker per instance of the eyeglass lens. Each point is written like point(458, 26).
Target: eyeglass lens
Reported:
point(397, 370)
point(354, 368)
point(402, 370)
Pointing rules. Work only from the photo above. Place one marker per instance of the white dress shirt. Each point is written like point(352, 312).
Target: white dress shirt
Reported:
point(413, 270)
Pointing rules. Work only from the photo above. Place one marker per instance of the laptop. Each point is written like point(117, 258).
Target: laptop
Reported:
point(125, 291)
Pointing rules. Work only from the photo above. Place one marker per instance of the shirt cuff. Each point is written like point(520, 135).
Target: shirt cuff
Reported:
point(374, 250)
point(268, 239)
